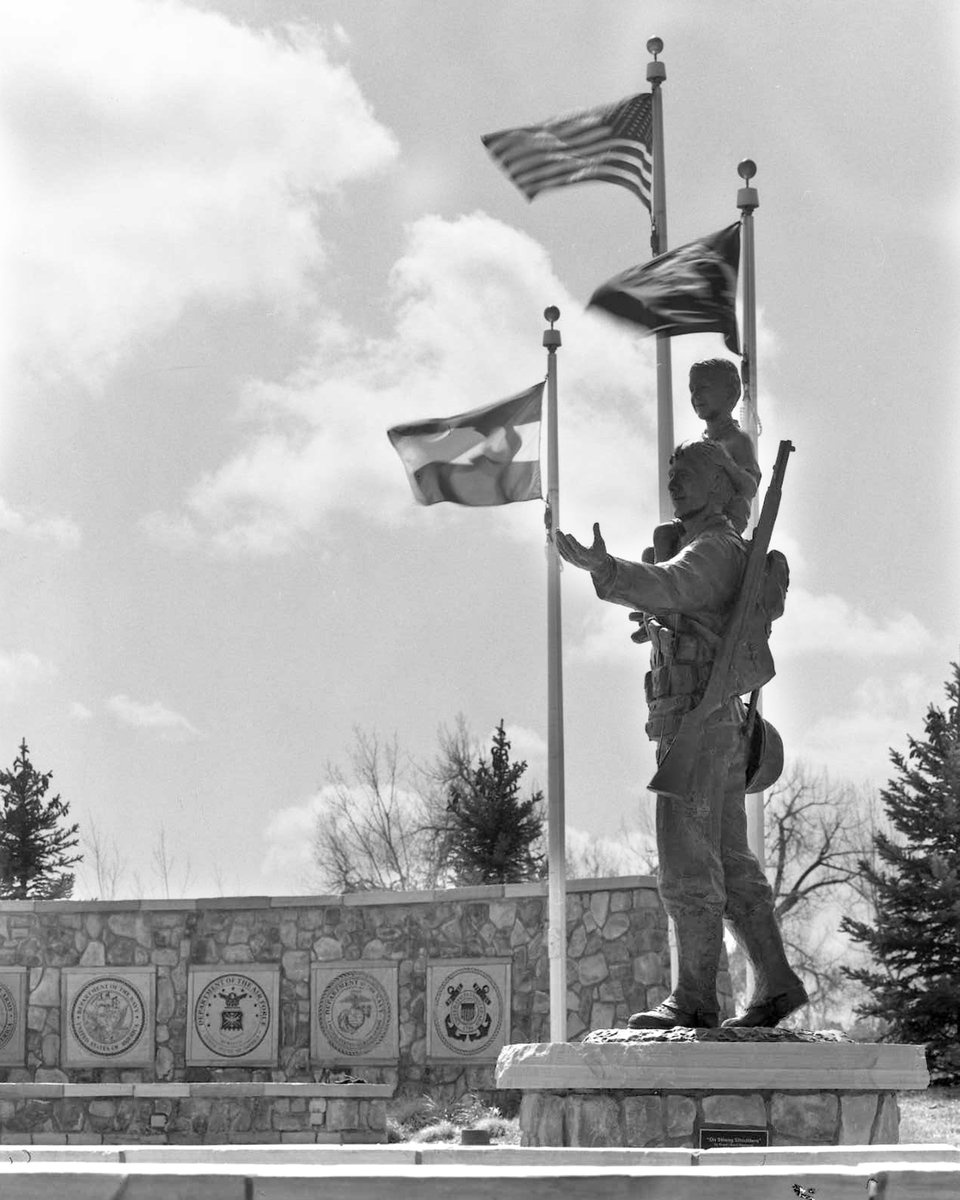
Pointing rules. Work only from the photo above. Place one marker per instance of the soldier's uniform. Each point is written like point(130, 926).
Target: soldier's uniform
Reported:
point(706, 869)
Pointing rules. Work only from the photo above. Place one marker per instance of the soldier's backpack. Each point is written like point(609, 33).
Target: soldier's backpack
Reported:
point(752, 665)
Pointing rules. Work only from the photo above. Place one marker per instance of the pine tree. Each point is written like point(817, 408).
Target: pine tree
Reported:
point(915, 940)
point(34, 848)
point(490, 834)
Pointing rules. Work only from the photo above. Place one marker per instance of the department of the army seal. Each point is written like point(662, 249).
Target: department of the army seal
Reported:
point(467, 1011)
point(107, 1016)
point(354, 1013)
point(8, 1015)
point(232, 1015)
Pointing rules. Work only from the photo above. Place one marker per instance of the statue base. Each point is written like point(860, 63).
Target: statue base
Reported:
point(710, 1088)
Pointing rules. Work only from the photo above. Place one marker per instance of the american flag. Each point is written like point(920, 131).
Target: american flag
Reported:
point(612, 143)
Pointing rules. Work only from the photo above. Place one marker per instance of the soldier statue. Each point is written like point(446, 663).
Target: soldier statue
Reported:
point(707, 873)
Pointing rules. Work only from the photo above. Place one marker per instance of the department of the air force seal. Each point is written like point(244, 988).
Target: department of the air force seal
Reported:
point(8, 1015)
point(354, 1012)
point(467, 1011)
point(107, 1016)
point(232, 1015)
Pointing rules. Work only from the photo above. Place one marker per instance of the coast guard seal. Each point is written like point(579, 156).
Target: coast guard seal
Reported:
point(232, 1015)
point(107, 1016)
point(467, 1011)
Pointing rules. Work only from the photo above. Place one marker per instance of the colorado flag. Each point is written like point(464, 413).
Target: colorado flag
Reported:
point(488, 456)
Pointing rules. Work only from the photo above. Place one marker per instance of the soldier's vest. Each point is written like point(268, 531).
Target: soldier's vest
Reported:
point(682, 654)
point(680, 662)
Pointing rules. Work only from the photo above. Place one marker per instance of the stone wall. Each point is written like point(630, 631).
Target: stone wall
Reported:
point(618, 962)
point(93, 1114)
point(666, 1118)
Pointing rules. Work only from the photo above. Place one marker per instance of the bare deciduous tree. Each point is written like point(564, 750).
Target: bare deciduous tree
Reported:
point(164, 866)
point(375, 826)
point(631, 851)
point(104, 859)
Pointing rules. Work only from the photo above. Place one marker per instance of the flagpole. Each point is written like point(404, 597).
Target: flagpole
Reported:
point(556, 819)
point(747, 201)
point(656, 74)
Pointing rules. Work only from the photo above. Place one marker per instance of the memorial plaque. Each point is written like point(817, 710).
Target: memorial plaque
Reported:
point(732, 1137)
point(468, 1016)
point(13, 1008)
point(107, 1017)
point(234, 1016)
point(354, 1012)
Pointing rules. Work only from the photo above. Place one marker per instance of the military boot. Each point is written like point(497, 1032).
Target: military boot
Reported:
point(693, 1002)
point(778, 990)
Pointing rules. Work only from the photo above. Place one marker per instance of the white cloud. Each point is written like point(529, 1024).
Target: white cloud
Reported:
point(80, 712)
point(318, 443)
point(60, 530)
point(152, 716)
point(20, 669)
point(158, 155)
point(525, 744)
point(829, 624)
point(288, 841)
point(855, 743)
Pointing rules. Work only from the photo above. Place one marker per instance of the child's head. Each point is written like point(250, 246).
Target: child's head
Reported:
point(714, 388)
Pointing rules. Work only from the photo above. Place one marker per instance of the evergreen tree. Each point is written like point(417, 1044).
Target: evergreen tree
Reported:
point(915, 940)
point(490, 833)
point(34, 848)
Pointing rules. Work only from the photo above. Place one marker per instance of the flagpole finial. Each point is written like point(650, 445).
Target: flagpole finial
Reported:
point(747, 197)
point(551, 336)
point(656, 71)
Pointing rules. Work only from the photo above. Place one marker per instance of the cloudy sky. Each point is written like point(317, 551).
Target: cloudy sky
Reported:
point(242, 238)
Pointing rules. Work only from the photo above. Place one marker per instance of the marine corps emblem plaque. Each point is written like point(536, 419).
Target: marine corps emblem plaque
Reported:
point(354, 1012)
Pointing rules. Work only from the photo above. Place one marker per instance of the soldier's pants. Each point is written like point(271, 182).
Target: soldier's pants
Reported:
point(706, 869)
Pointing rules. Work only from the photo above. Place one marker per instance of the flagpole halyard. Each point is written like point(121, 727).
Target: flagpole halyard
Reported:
point(656, 74)
point(556, 818)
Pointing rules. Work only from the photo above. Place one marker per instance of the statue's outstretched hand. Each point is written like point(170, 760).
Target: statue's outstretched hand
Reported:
point(589, 558)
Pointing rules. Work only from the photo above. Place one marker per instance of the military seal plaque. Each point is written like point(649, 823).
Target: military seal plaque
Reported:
point(107, 1017)
point(233, 1016)
point(12, 1024)
point(8, 1015)
point(469, 1009)
point(355, 1012)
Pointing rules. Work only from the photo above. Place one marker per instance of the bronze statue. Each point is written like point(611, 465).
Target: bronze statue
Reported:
point(707, 873)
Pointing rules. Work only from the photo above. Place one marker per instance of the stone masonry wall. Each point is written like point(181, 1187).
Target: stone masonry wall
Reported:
point(618, 962)
point(667, 1118)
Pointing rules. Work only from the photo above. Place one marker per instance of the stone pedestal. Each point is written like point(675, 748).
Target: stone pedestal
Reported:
point(688, 1087)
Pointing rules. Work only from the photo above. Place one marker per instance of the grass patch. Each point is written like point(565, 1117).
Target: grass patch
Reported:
point(423, 1119)
point(930, 1116)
